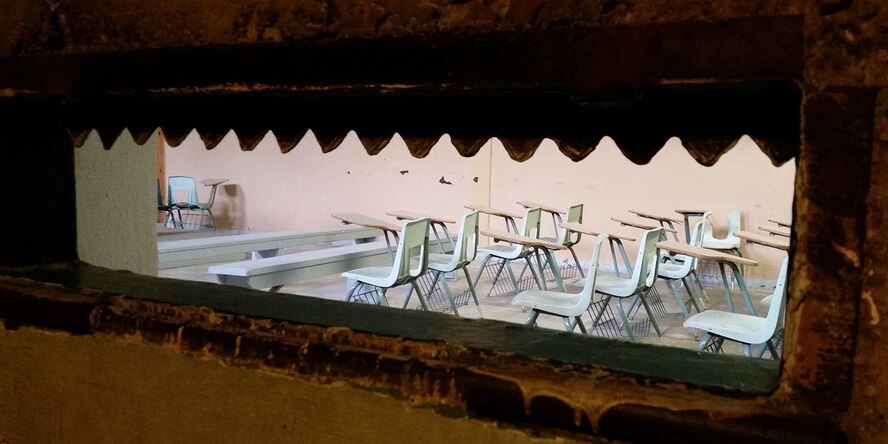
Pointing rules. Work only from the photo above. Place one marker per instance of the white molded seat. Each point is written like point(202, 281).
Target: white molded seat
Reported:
point(464, 253)
point(567, 305)
point(411, 261)
point(729, 242)
point(746, 329)
point(644, 274)
point(507, 253)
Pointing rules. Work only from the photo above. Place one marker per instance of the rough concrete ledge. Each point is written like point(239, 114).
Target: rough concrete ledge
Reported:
point(487, 369)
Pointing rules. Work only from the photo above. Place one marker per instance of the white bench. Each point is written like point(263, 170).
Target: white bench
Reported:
point(274, 272)
point(180, 253)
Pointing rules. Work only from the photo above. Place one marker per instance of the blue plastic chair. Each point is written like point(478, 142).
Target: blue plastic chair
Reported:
point(186, 185)
point(161, 207)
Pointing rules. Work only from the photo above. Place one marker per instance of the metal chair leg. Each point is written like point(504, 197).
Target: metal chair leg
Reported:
point(472, 290)
point(625, 319)
point(352, 289)
point(576, 261)
point(582, 327)
point(597, 317)
point(532, 318)
point(653, 318)
point(384, 300)
point(704, 342)
point(422, 301)
point(507, 264)
point(409, 295)
point(700, 287)
point(687, 285)
point(568, 325)
point(446, 292)
point(541, 280)
point(681, 303)
point(496, 276)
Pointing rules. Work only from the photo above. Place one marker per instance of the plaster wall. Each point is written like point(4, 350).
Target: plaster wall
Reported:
point(116, 204)
point(269, 191)
point(609, 185)
point(67, 388)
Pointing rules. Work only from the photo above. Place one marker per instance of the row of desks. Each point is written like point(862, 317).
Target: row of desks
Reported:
point(390, 228)
point(547, 248)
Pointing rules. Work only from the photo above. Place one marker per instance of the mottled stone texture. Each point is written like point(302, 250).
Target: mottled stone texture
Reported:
point(869, 405)
point(541, 381)
point(68, 26)
point(847, 43)
point(829, 238)
point(834, 371)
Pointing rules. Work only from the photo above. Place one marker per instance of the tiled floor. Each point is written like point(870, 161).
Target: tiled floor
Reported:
point(499, 307)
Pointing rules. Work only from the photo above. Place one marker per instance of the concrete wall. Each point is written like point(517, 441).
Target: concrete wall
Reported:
point(116, 204)
point(272, 191)
point(57, 387)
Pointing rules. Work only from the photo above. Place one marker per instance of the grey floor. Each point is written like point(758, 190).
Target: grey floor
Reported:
point(495, 303)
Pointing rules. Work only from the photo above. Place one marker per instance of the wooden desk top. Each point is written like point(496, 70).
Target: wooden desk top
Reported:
point(546, 208)
point(366, 221)
point(655, 217)
point(523, 240)
point(780, 223)
point(494, 211)
point(403, 214)
point(703, 253)
point(211, 182)
point(774, 232)
point(691, 212)
point(768, 241)
point(642, 226)
point(590, 230)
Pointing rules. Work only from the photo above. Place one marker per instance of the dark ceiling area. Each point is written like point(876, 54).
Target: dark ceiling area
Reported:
point(708, 118)
point(639, 85)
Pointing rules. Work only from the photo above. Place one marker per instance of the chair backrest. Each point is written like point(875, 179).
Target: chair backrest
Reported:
point(567, 237)
point(160, 204)
point(778, 305)
point(734, 226)
point(412, 257)
point(734, 222)
point(467, 241)
point(183, 186)
point(644, 273)
point(689, 262)
point(531, 227)
point(591, 275)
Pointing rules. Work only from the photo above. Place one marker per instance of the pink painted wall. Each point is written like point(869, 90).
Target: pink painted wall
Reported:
point(609, 185)
point(269, 191)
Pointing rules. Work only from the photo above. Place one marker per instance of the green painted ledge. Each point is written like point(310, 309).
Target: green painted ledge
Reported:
point(718, 373)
